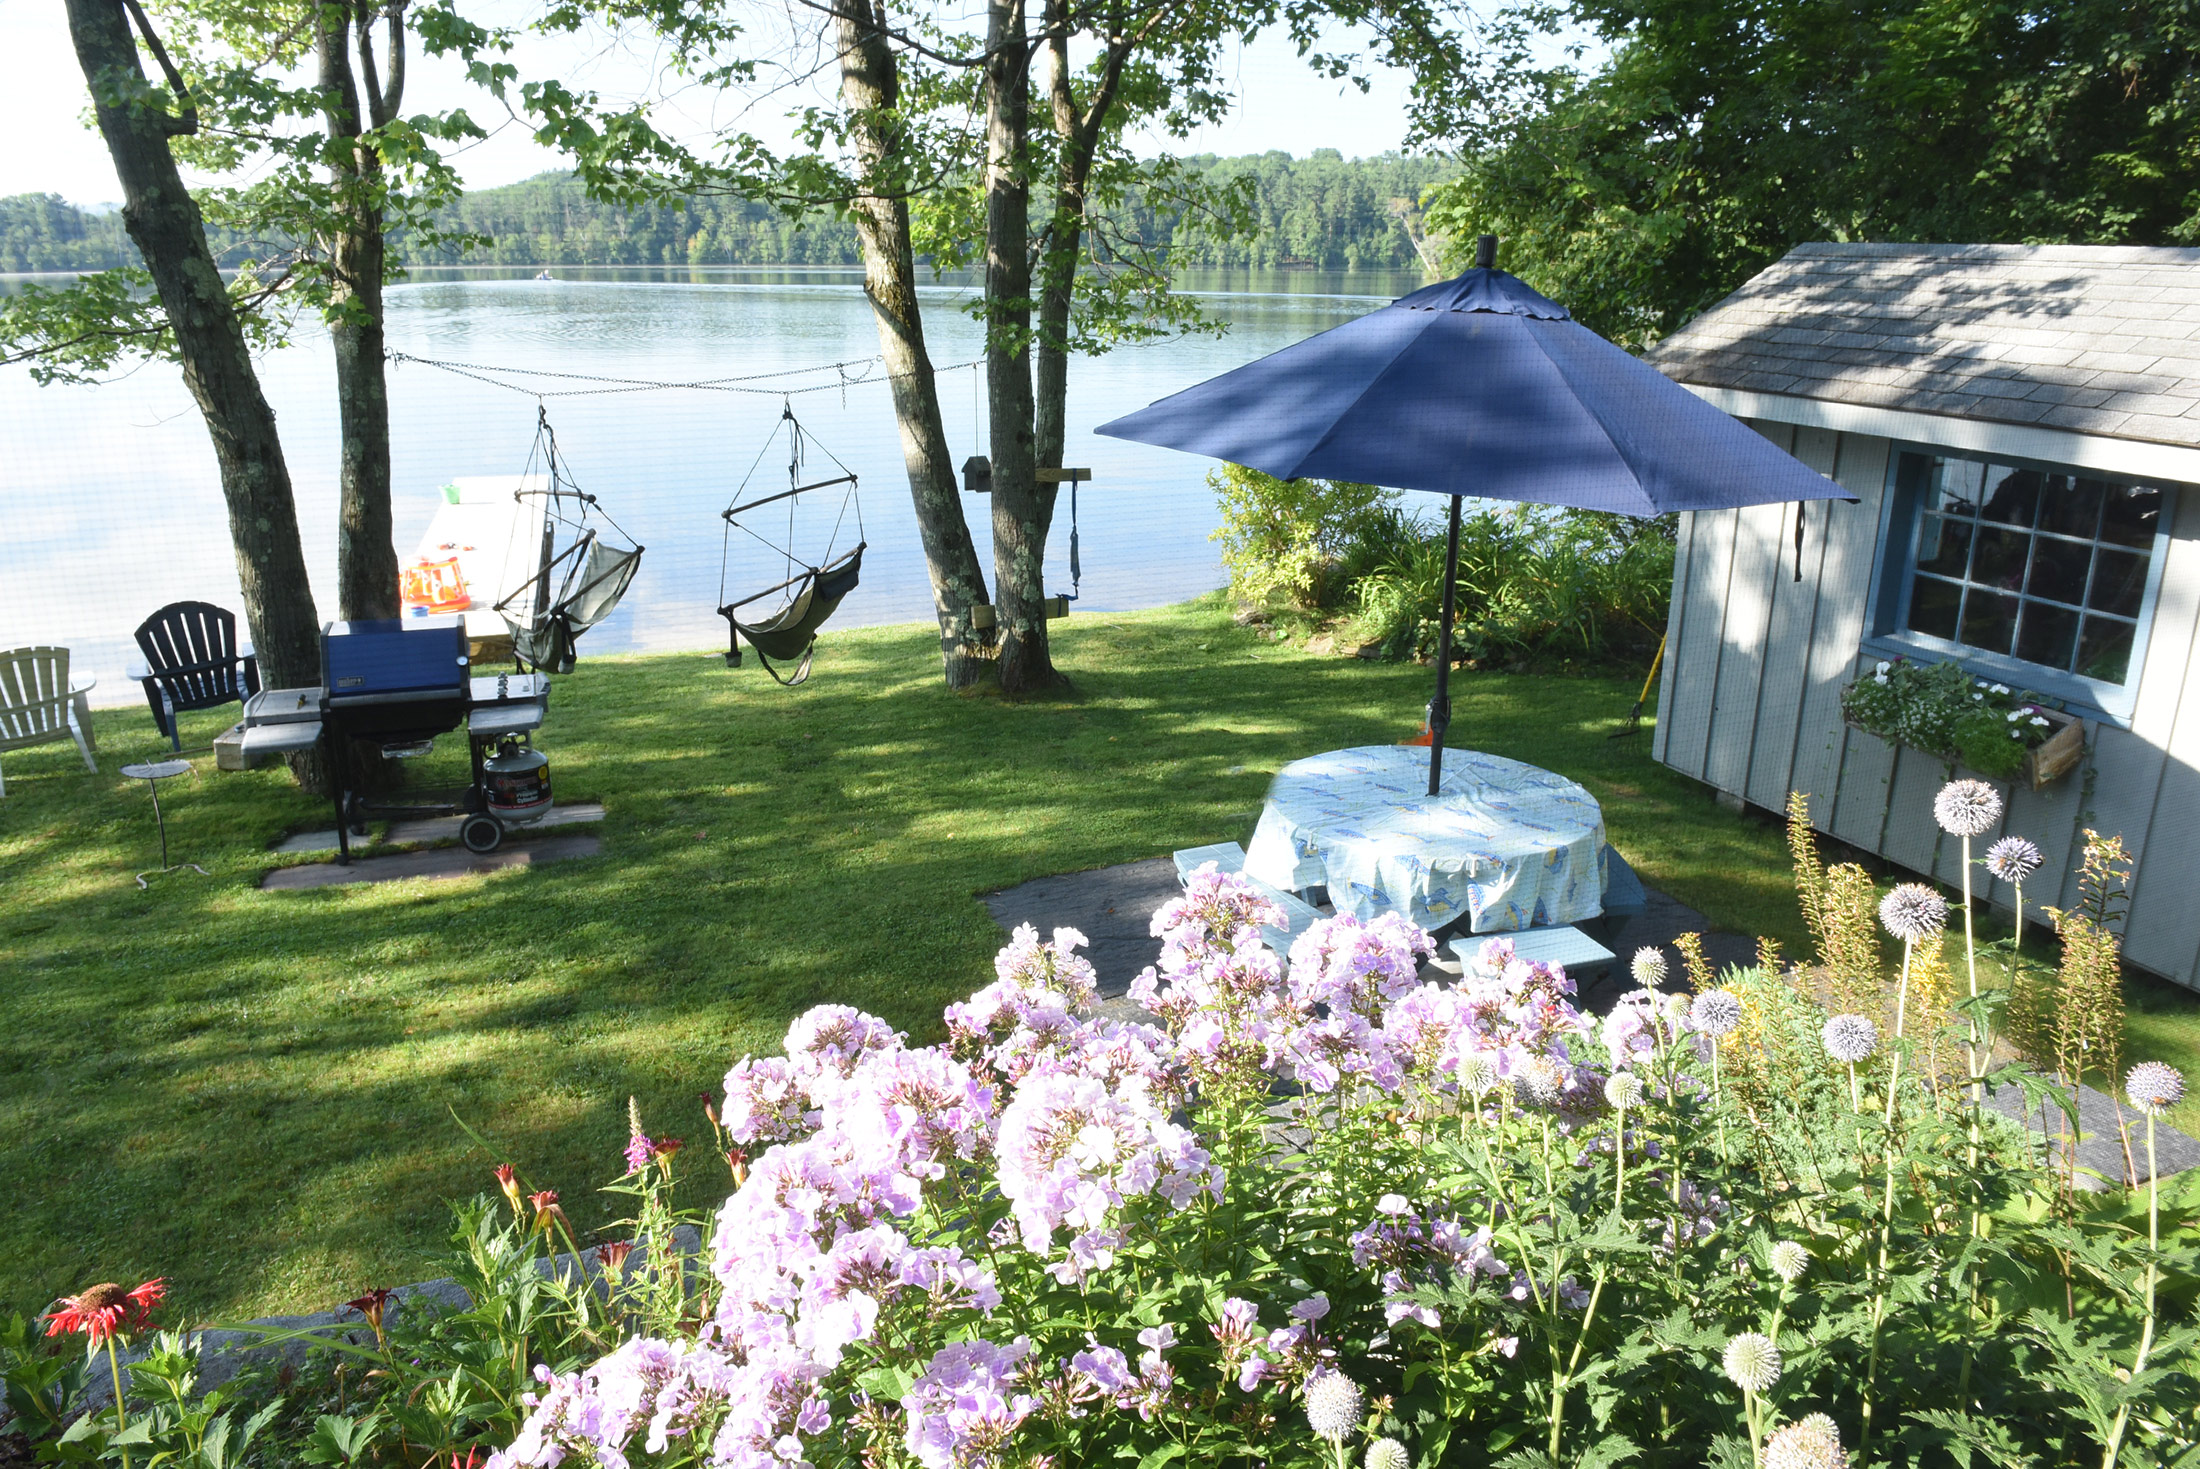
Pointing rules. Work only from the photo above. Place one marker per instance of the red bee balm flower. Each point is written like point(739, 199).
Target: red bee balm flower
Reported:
point(105, 1310)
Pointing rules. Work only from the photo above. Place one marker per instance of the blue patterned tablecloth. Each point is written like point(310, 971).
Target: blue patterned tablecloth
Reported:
point(1506, 844)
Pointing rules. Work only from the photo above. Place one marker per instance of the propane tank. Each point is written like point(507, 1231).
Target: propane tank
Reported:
point(518, 778)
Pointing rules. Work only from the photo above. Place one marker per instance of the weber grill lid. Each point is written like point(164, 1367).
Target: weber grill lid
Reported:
point(394, 658)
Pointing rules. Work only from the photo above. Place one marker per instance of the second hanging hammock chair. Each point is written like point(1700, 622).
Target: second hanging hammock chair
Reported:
point(576, 586)
point(814, 592)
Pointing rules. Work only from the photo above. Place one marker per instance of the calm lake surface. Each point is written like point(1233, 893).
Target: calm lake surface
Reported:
point(110, 506)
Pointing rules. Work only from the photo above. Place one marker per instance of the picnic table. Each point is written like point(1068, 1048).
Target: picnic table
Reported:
point(1502, 845)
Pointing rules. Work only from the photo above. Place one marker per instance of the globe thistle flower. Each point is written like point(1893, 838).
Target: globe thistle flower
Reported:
point(1789, 1261)
point(1388, 1453)
point(1649, 967)
point(1540, 1082)
point(2013, 859)
point(1807, 1443)
point(1850, 1038)
point(2154, 1087)
point(1477, 1073)
point(1913, 912)
point(1752, 1362)
point(1716, 1012)
point(1967, 808)
point(1332, 1405)
point(1623, 1089)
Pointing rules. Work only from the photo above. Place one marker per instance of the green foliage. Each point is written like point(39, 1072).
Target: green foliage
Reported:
point(1533, 582)
point(1940, 709)
point(43, 1379)
point(1291, 542)
point(1325, 211)
point(1718, 136)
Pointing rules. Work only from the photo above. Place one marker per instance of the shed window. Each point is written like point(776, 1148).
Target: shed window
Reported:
point(2045, 567)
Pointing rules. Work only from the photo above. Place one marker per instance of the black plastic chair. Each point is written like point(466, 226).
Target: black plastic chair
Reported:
point(192, 661)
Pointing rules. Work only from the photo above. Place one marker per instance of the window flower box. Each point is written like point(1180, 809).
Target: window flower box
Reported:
point(2000, 732)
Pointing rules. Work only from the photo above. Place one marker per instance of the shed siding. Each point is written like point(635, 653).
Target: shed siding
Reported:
point(1750, 703)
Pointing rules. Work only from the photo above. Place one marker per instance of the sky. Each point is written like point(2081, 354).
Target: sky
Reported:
point(43, 106)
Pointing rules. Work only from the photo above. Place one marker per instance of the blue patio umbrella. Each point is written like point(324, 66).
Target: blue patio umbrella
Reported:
point(1478, 387)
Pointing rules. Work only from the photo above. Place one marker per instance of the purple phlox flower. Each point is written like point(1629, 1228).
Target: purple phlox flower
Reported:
point(653, 1390)
point(951, 1278)
point(1089, 1252)
point(1235, 1330)
point(1412, 1252)
point(1694, 1216)
point(844, 1288)
point(1070, 1151)
point(1630, 1031)
point(926, 1104)
point(1037, 981)
point(1217, 911)
point(1422, 1028)
point(967, 1405)
point(826, 1042)
point(1104, 1367)
point(1288, 1355)
point(1356, 966)
point(763, 1103)
point(1310, 1310)
point(1320, 1054)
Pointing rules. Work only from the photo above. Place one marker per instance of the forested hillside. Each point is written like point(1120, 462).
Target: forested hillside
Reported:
point(43, 232)
point(1326, 211)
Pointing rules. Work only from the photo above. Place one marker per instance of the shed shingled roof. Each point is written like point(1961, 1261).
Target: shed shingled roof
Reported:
point(2093, 339)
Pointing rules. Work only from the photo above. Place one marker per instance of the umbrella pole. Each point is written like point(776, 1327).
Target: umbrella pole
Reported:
point(1439, 708)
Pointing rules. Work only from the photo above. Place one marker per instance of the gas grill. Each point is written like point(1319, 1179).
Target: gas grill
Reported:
point(397, 685)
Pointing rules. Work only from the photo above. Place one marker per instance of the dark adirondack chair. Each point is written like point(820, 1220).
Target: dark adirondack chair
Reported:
point(192, 661)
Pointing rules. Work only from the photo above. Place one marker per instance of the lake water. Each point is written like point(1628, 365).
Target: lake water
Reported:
point(110, 506)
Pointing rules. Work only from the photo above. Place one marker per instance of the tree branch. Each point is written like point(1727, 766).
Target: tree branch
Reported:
point(188, 123)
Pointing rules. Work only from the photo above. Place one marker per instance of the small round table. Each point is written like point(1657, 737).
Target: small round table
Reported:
point(1502, 845)
point(153, 775)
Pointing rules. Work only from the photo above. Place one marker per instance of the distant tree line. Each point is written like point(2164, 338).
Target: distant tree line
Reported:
point(1324, 211)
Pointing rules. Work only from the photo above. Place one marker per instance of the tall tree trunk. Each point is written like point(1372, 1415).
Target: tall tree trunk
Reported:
point(1078, 132)
point(1019, 523)
point(164, 223)
point(870, 82)
point(366, 554)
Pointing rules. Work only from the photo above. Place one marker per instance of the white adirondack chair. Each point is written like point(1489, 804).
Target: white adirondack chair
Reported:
point(38, 706)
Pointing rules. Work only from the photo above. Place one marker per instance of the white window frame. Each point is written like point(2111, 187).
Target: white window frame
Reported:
point(1888, 636)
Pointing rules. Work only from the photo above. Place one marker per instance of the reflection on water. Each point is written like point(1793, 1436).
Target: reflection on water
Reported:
point(110, 506)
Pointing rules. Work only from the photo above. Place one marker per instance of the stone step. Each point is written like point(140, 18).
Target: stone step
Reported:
point(435, 830)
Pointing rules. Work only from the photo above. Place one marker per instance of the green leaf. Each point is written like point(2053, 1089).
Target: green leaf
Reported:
point(1162, 1456)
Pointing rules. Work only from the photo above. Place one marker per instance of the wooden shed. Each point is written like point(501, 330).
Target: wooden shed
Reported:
point(2030, 409)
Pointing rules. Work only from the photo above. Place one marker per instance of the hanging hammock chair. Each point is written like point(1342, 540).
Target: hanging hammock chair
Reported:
point(813, 592)
point(578, 582)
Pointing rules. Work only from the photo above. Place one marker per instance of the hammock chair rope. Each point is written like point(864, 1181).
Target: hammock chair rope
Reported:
point(789, 634)
point(591, 574)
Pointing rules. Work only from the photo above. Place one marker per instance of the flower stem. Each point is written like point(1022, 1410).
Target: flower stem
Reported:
point(122, 1414)
point(2146, 1330)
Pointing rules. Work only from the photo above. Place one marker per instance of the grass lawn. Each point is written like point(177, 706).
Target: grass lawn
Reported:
point(253, 1093)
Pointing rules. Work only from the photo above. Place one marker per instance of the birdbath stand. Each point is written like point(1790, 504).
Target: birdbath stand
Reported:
point(153, 775)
